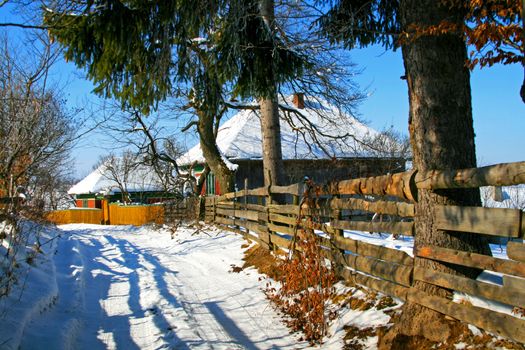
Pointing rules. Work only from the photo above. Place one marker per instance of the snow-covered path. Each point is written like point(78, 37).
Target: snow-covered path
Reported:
point(136, 288)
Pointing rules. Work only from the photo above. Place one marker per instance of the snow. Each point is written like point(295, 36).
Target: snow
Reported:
point(141, 178)
point(513, 197)
point(240, 136)
point(129, 288)
point(109, 287)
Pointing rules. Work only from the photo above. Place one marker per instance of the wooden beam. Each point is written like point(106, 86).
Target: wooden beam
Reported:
point(504, 174)
point(489, 221)
point(516, 285)
point(516, 251)
point(383, 286)
point(284, 209)
point(294, 190)
point(289, 220)
point(492, 321)
point(224, 221)
point(514, 297)
point(400, 185)
point(282, 229)
point(261, 191)
point(239, 213)
point(280, 241)
point(480, 261)
point(383, 207)
point(400, 274)
point(378, 252)
point(396, 227)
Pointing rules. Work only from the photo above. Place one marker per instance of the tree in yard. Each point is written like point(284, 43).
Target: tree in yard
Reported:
point(440, 127)
point(119, 170)
point(229, 51)
point(137, 68)
point(36, 132)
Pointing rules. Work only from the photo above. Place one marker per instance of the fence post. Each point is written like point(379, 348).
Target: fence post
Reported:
point(105, 212)
point(214, 208)
point(246, 193)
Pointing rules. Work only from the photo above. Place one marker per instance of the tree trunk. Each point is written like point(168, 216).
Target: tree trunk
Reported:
point(270, 126)
point(271, 142)
point(442, 137)
point(225, 176)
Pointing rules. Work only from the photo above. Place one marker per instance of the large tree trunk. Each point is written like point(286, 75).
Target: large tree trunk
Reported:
point(271, 142)
point(224, 175)
point(270, 127)
point(442, 137)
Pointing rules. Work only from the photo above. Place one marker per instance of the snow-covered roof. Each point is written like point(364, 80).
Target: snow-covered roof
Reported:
point(240, 136)
point(141, 179)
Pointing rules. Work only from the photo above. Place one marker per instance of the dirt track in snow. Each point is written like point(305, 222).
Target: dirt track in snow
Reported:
point(136, 288)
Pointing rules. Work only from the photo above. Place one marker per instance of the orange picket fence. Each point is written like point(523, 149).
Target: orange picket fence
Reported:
point(136, 214)
point(113, 214)
point(76, 216)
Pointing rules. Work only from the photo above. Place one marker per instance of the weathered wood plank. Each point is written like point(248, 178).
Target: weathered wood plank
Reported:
point(247, 214)
point(280, 241)
point(282, 229)
point(378, 252)
point(226, 212)
point(383, 286)
point(224, 221)
point(263, 216)
point(489, 221)
point(516, 285)
point(260, 191)
point(504, 174)
point(516, 251)
point(501, 324)
point(479, 261)
point(294, 189)
point(264, 236)
point(505, 295)
point(240, 206)
point(400, 185)
point(400, 274)
point(283, 219)
point(253, 226)
point(399, 227)
point(382, 207)
point(284, 209)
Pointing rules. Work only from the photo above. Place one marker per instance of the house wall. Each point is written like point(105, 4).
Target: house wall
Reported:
point(88, 203)
point(319, 170)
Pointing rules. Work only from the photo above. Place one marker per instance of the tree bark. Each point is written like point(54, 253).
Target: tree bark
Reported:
point(270, 126)
point(225, 176)
point(271, 142)
point(442, 137)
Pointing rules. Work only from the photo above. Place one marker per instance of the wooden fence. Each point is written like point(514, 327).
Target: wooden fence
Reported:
point(115, 214)
point(386, 204)
point(70, 216)
point(135, 214)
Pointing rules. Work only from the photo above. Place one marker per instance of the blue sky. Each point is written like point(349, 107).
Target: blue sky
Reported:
point(499, 113)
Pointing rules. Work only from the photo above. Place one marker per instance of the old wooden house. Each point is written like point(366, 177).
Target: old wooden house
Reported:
point(140, 185)
point(317, 139)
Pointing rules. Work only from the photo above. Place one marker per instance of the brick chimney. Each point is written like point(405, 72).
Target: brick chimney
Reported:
point(298, 100)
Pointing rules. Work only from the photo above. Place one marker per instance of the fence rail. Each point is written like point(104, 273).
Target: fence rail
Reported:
point(386, 204)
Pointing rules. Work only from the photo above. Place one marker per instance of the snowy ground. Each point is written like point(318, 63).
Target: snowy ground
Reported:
point(136, 288)
point(123, 287)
